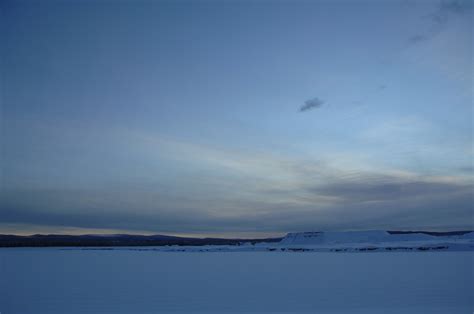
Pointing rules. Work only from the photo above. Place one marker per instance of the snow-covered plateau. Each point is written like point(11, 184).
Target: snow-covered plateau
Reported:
point(378, 241)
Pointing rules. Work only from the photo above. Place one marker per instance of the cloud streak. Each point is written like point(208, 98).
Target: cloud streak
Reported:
point(445, 12)
point(310, 104)
point(416, 39)
point(448, 9)
point(259, 192)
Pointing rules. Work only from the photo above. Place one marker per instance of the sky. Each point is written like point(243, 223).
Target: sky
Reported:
point(235, 118)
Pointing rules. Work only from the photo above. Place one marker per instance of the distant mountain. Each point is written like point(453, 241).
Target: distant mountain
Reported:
point(94, 240)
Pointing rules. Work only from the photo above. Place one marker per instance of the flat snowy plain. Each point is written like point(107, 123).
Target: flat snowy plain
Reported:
point(54, 280)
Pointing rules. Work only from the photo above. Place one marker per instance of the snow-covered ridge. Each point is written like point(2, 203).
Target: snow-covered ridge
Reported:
point(369, 237)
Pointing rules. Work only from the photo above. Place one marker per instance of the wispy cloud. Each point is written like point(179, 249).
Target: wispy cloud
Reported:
point(312, 103)
point(363, 201)
point(448, 9)
point(416, 39)
point(265, 191)
point(384, 188)
point(445, 12)
point(467, 169)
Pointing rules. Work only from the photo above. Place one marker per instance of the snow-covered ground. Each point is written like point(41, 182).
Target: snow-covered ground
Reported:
point(352, 241)
point(52, 280)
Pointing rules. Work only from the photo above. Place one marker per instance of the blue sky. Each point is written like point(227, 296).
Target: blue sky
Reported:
point(187, 117)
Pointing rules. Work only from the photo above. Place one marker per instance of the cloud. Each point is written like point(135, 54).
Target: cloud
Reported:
point(445, 12)
point(467, 169)
point(450, 8)
point(416, 39)
point(390, 188)
point(217, 189)
point(312, 103)
point(319, 196)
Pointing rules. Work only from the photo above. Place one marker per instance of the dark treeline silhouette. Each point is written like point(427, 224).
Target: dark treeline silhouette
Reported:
point(53, 240)
point(433, 233)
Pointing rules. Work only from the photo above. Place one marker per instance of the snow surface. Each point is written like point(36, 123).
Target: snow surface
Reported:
point(47, 280)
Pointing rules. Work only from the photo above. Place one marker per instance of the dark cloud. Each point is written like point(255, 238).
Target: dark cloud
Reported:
point(467, 169)
point(456, 6)
point(416, 39)
point(444, 13)
point(89, 209)
point(368, 190)
point(448, 9)
point(311, 104)
point(357, 201)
